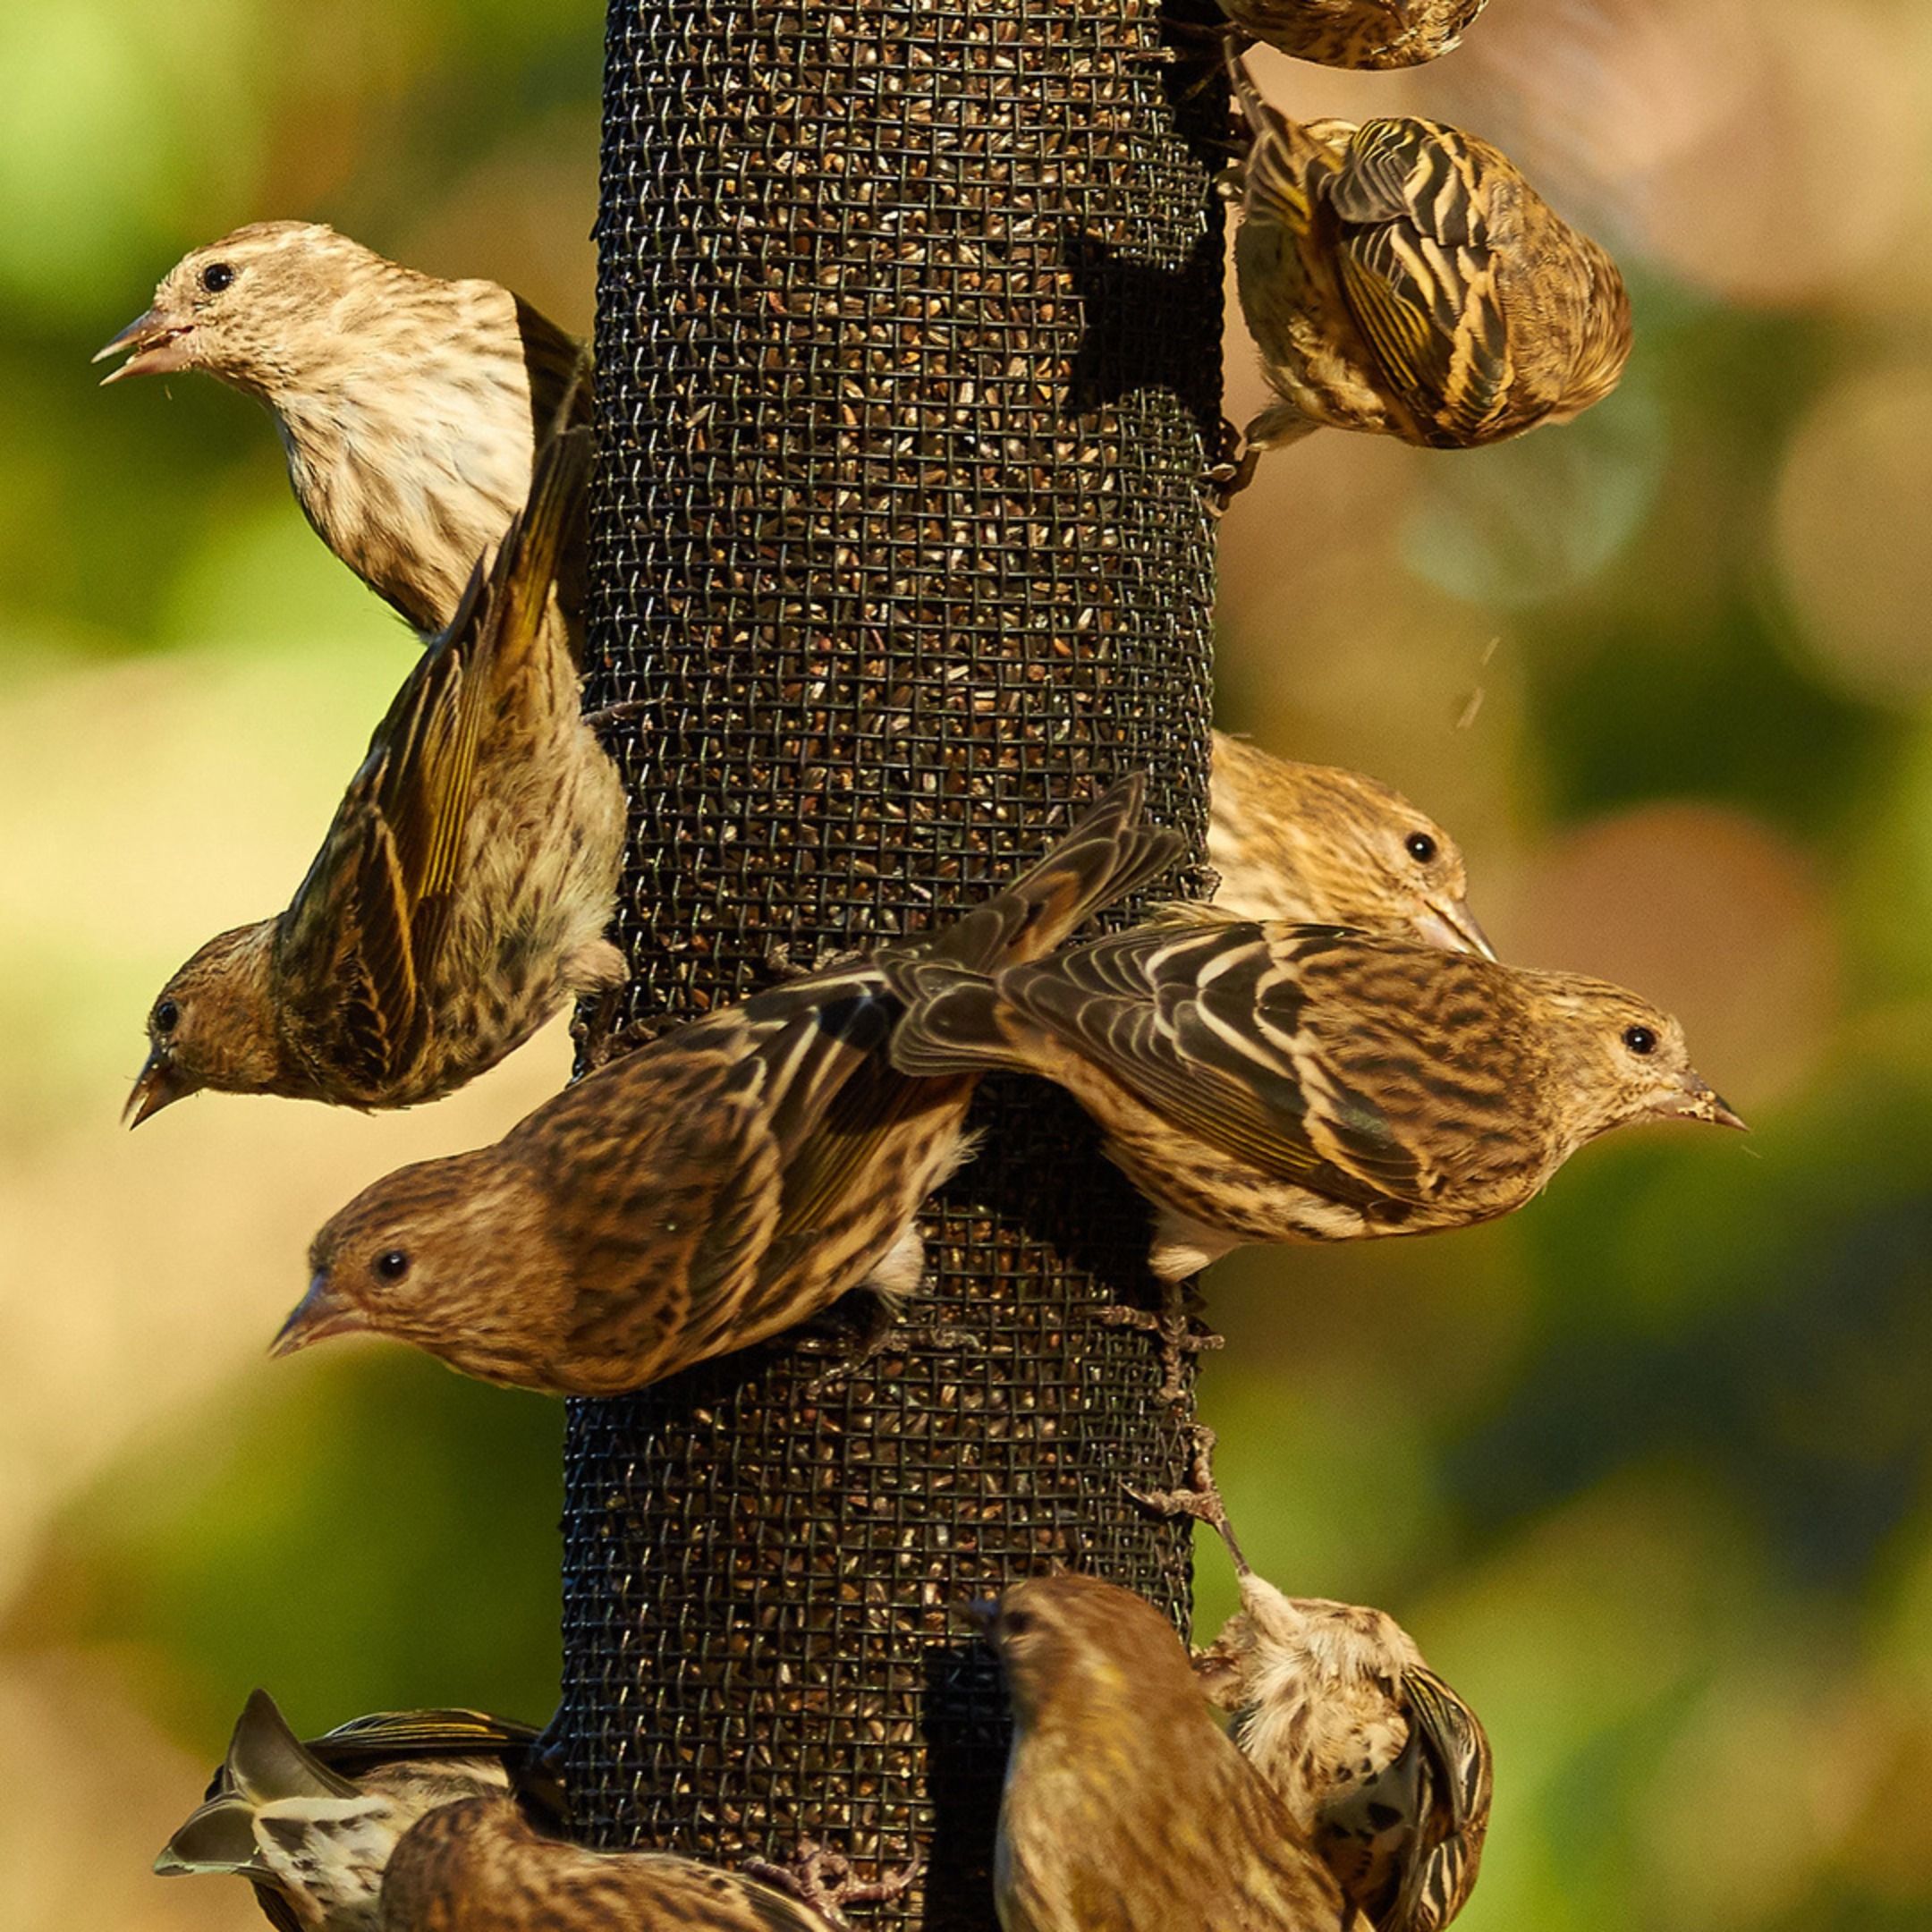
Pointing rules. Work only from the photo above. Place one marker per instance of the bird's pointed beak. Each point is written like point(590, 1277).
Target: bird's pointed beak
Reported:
point(980, 1613)
point(153, 344)
point(159, 1084)
point(1701, 1102)
point(318, 1315)
point(1451, 925)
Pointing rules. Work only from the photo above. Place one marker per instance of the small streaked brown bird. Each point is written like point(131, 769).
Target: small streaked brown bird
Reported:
point(1276, 1083)
point(419, 1822)
point(411, 409)
point(461, 896)
point(1382, 1764)
point(312, 1826)
point(1377, 33)
point(479, 1866)
point(1403, 277)
point(1126, 1807)
point(1320, 845)
point(1384, 1768)
point(725, 1183)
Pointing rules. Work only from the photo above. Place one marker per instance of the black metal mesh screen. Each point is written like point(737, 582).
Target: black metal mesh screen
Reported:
point(909, 332)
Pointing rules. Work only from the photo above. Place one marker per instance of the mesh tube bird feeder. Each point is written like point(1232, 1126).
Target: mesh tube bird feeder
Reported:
point(908, 371)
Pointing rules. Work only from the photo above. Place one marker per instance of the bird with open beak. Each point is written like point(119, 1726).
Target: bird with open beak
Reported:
point(411, 409)
point(725, 1183)
point(461, 893)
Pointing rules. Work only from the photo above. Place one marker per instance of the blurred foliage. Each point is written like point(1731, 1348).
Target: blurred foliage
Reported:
point(1645, 1469)
point(406, 1518)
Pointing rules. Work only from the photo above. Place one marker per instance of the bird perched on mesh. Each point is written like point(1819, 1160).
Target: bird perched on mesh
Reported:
point(1376, 34)
point(461, 894)
point(411, 409)
point(1316, 843)
point(1382, 1765)
point(419, 1822)
point(1384, 1768)
point(312, 1826)
point(723, 1183)
point(1274, 1083)
point(479, 1866)
point(1403, 277)
point(1125, 1805)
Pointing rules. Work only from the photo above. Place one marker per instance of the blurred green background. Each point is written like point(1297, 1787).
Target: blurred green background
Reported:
point(1645, 1469)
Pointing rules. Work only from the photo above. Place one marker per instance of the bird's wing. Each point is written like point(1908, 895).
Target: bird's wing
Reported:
point(561, 375)
point(1456, 1741)
point(383, 1736)
point(361, 941)
point(834, 1099)
point(1412, 206)
point(1201, 1023)
point(1442, 1868)
point(872, 1103)
point(357, 939)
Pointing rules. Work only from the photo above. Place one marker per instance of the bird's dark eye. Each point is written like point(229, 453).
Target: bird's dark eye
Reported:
point(391, 1265)
point(166, 1016)
point(217, 276)
point(1016, 1622)
point(1420, 847)
point(1639, 1039)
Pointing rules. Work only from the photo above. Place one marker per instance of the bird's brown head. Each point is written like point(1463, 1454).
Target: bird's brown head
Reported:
point(1074, 1649)
point(1329, 847)
point(249, 308)
point(436, 1254)
point(213, 1025)
point(1621, 1058)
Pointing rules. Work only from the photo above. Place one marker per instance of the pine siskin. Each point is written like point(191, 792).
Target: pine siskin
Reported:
point(312, 1826)
point(411, 409)
point(1125, 1805)
point(1403, 277)
point(1383, 1767)
point(461, 896)
point(1356, 33)
point(436, 1836)
point(479, 1866)
point(723, 1183)
point(1318, 844)
point(1274, 1083)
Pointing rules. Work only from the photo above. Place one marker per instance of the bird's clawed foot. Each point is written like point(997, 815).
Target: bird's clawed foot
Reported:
point(617, 713)
point(824, 1880)
point(851, 1335)
point(1233, 471)
point(1201, 1499)
point(1179, 1332)
point(600, 1041)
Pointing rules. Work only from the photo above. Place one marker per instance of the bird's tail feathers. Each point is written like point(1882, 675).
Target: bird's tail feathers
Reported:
point(524, 578)
point(267, 1764)
point(1273, 172)
point(955, 1022)
point(1107, 854)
